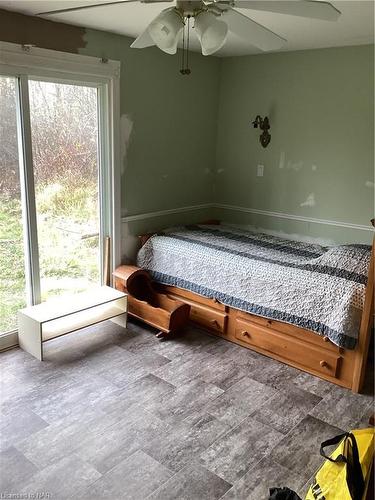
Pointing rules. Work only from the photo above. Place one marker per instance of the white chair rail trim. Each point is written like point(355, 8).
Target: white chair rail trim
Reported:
point(279, 215)
point(299, 218)
point(161, 213)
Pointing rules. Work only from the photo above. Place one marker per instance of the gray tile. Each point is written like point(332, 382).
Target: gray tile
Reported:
point(134, 478)
point(12, 387)
point(185, 368)
point(72, 399)
point(132, 367)
point(183, 400)
point(343, 408)
point(272, 373)
point(62, 438)
point(224, 373)
point(15, 469)
point(197, 338)
point(107, 360)
point(286, 409)
point(108, 448)
point(299, 450)
point(140, 339)
point(105, 451)
point(87, 341)
point(240, 400)
point(178, 444)
point(312, 384)
point(191, 339)
point(364, 422)
point(21, 400)
point(105, 407)
point(192, 483)
point(241, 448)
point(11, 357)
point(61, 479)
point(219, 349)
point(208, 342)
point(152, 361)
point(18, 425)
point(243, 357)
point(139, 391)
point(256, 483)
point(87, 362)
point(27, 368)
point(206, 426)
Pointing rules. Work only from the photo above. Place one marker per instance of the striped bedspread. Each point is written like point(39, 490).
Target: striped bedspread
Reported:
point(321, 289)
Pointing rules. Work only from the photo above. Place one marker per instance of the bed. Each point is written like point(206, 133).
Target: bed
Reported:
point(306, 305)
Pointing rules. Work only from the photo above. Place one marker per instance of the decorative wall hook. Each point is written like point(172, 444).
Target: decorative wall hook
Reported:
point(263, 124)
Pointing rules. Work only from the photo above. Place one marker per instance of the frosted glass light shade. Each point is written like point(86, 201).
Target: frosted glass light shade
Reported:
point(212, 33)
point(165, 29)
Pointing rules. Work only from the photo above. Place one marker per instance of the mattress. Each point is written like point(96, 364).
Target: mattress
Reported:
point(321, 289)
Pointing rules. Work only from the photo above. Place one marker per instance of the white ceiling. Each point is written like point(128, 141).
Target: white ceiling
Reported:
point(354, 27)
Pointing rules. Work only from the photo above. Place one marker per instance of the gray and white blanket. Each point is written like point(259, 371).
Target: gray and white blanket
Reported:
point(321, 289)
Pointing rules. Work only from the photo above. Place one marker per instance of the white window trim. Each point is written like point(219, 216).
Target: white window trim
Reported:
point(25, 58)
point(34, 62)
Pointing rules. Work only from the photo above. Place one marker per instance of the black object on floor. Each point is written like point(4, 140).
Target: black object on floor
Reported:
point(283, 494)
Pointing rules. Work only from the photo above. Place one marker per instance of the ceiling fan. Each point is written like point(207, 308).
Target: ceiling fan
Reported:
point(214, 18)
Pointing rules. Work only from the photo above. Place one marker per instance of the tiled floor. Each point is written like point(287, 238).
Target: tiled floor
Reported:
point(115, 413)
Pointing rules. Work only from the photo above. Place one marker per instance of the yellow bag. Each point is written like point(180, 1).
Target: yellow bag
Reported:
point(345, 473)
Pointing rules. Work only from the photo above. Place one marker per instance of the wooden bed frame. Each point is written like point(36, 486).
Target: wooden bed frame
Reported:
point(284, 342)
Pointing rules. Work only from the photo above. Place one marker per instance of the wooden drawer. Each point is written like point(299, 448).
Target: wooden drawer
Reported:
point(315, 358)
point(191, 298)
point(311, 337)
point(214, 320)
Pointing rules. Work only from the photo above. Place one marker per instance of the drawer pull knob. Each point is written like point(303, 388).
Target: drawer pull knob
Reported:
point(323, 364)
point(215, 323)
point(326, 339)
point(245, 334)
point(215, 300)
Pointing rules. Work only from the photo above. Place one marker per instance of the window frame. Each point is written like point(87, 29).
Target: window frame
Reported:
point(27, 62)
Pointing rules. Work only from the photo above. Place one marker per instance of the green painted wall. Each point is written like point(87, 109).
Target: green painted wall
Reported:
point(190, 142)
point(321, 109)
point(170, 131)
point(170, 158)
point(169, 121)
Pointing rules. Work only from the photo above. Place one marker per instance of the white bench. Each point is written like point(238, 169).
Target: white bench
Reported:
point(59, 316)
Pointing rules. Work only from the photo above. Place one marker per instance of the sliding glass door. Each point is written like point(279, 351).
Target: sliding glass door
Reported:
point(12, 259)
point(64, 132)
point(52, 214)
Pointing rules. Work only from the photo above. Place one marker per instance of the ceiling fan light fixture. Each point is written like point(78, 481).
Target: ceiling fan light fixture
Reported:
point(165, 30)
point(212, 33)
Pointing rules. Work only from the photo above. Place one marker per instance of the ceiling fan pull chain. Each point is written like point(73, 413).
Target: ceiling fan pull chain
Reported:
point(185, 47)
point(182, 70)
point(187, 69)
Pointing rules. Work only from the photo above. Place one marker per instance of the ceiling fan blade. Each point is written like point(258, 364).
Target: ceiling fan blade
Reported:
point(144, 40)
point(83, 7)
point(255, 33)
point(302, 8)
